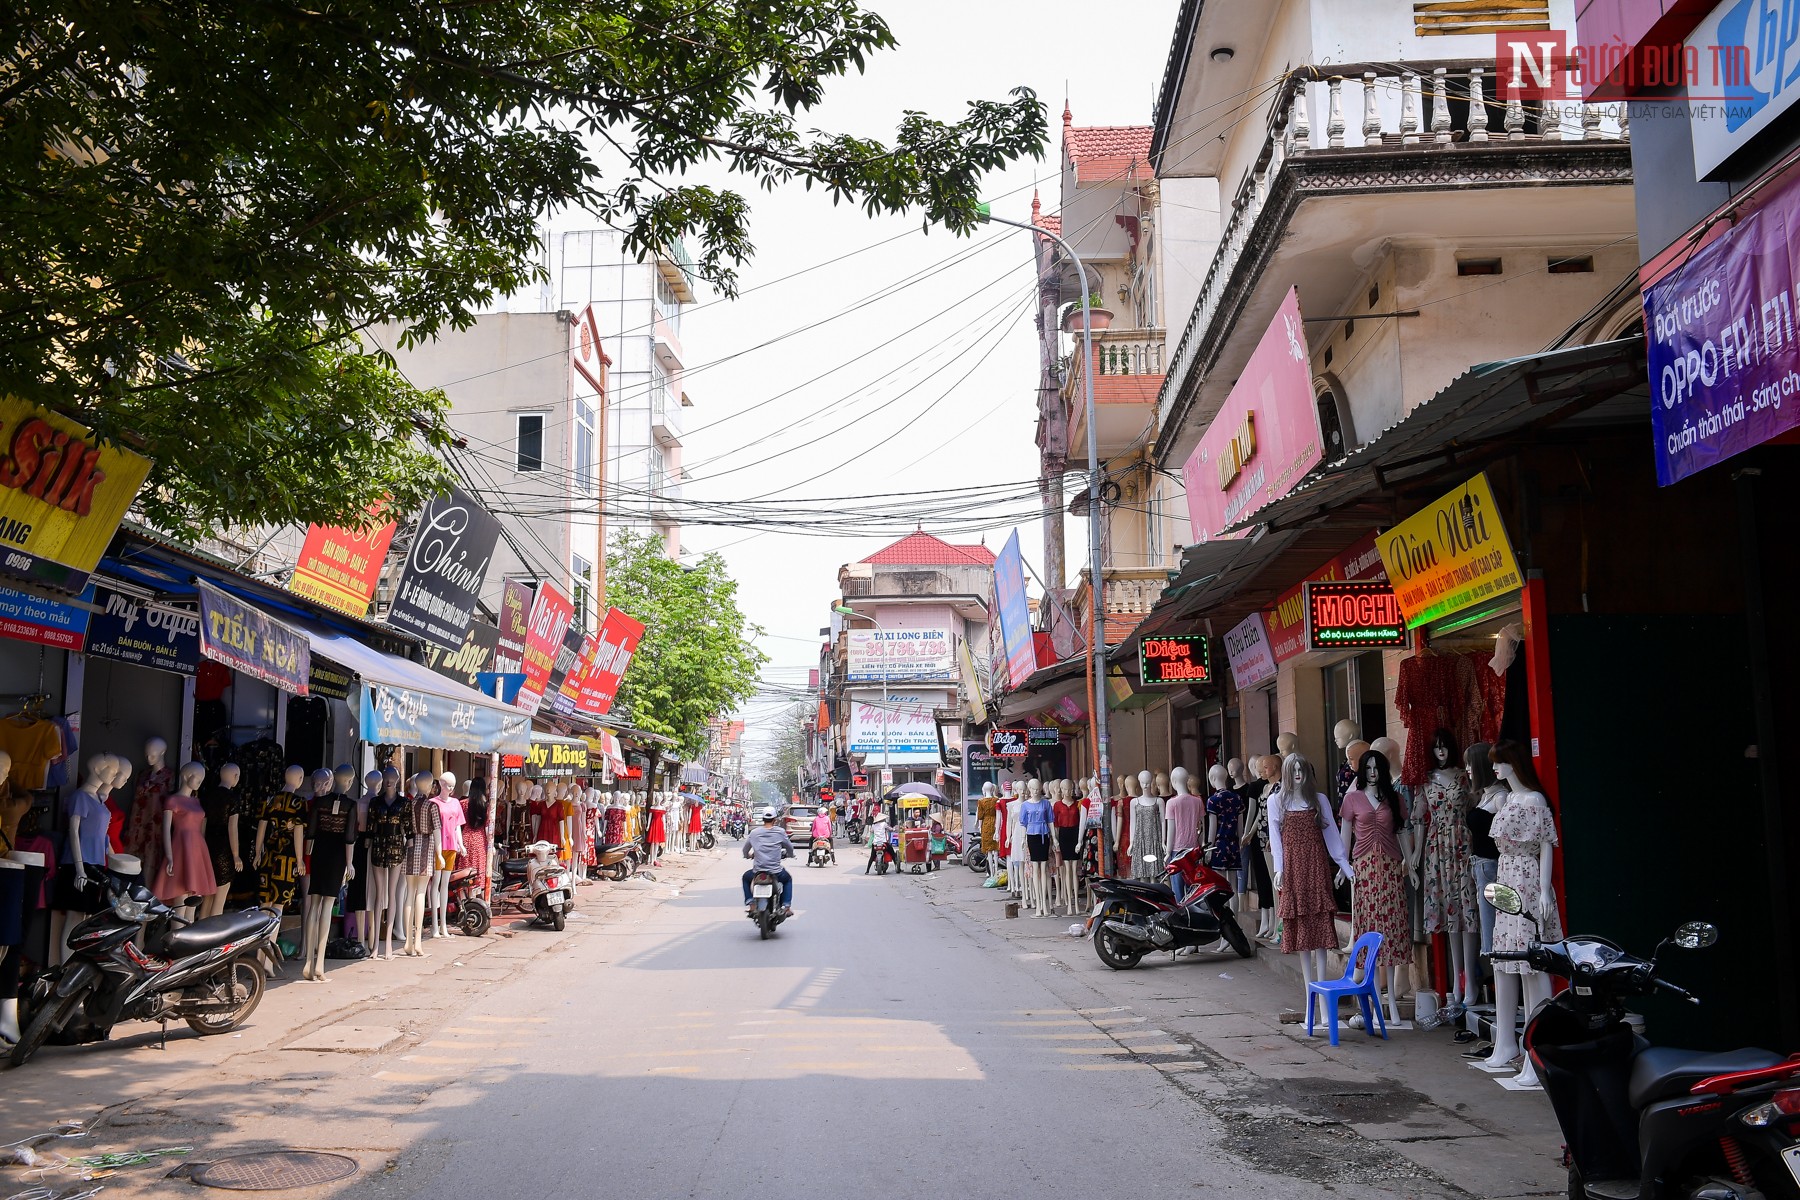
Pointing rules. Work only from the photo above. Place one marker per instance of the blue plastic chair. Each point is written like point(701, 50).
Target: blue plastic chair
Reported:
point(1329, 991)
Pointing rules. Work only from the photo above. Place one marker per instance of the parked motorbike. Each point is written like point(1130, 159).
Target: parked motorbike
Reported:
point(209, 973)
point(466, 908)
point(620, 861)
point(709, 836)
point(853, 829)
point(765, 903)
point(1650, 1122)
point(1133, 917)
point(537, 884)
point(821, 854)
point(973, 856)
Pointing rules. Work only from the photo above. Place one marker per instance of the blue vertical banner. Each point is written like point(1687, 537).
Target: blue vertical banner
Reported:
point(1015, 614)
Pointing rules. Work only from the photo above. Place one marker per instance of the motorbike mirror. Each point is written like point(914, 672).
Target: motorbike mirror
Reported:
point(1504, 899)
point(1696, 935)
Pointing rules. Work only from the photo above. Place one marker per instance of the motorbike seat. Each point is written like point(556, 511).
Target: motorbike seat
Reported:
point(1141, 887)
point(209, 933)
point(1665, 1072)
point(514, 866)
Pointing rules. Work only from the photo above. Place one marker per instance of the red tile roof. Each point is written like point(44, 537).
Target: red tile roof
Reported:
point(923, 550)
point(1105, 152)
point(1052, 222)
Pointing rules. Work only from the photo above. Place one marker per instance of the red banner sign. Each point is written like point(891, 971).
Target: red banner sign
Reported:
point(617, 642)
point(339, 567)
point(551, 612)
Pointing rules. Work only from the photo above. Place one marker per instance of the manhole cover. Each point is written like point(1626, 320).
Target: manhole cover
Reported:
point(274, 1170)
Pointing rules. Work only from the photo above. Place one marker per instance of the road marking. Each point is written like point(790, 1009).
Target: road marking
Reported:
point(402, 1077)
point(515, 1020)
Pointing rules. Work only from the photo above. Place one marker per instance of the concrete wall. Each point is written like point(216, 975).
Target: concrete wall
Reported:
point(1187, 235)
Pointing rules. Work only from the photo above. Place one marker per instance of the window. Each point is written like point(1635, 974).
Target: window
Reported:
point(668, 306)
point(531, 442)
point(586, 472)
point(583, 572)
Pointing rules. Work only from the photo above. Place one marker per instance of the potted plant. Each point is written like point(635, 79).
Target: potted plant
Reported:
point(1099, 316)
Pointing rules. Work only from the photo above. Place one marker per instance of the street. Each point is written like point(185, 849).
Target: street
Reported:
point(899, 1034)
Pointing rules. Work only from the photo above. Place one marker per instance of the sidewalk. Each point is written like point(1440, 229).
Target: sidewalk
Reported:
point(1363, 1110)
point(363, 1007)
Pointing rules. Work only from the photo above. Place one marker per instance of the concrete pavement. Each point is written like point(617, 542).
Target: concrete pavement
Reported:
point(900, 1034)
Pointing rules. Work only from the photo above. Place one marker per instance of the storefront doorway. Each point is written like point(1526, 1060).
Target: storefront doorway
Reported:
point(1355, 689)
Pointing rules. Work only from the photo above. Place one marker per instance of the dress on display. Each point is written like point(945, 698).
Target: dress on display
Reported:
point(615, 826)
point(694, 819)
point(1228, 807)
point(475, 839)
point(221, 804)
point(193, 858)
point(1521, 830)
point(278, 877)
point(1306, 906)
point(35, 745)
point(388, 833)
point(984, 812)
point(330, 831)
point(143, 829)
point(356, 892)
point(1446, 874)
point(658, 835)
point(423, 835)
point(450, 830)
point(1146, 840)
point(549, 821)
point(1378, 899)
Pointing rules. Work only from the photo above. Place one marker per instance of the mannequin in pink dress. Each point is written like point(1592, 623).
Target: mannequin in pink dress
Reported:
point(186, 868)
point(450, 844)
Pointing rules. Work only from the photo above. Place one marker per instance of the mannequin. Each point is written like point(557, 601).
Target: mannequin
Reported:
point(14, 803)
point(1119, 814)
point(1379, 842)
point(1147, 847)
point(1224, 817)
point(1183, 818)
point(658, 834)
point(141, 831)
point(475, 829)
point(224, 836)
point(424, 839)
point(330, 831)
point(1484, 855)
point(1239, 775)
point(281, 842)
point(985, 809)
point(1445, 870)
point(1286, 744)
point(1037, 817)
point(186, 858)
point(356, 886)
point(1016, 849)
point(1264, 769)
point(1304, 839)
point(118, 771)
point(1346, 733)
point(386, 834)
point(450, 844)
point(78, 891)
point(1525, 833)
point(1070, 814)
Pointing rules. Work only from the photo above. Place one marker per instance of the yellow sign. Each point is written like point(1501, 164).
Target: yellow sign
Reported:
point(1450, 556)
point(62, 494)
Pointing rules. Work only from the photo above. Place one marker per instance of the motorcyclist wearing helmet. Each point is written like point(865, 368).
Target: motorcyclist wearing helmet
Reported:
point(766, 846)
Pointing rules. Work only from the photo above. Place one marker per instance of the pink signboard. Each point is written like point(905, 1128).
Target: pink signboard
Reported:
point(1265, 437)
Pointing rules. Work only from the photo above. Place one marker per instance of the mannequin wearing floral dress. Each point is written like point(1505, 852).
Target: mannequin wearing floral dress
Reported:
point(1446, 868)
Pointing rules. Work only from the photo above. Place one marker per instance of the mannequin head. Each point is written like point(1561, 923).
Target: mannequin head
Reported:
point(390, 782)
point(1162, 784)
point(1354, 751)
point(421, 783)
point(1298, 779)
point(293, 779)
point(155, 750)
point(372, 783)
point(1178, 780)
point(533, 796)
point(1443, 750)
point(1512, 763)
point(1268, 766)
point(1146, 784)
point(121, 771)
point(446, 784)
point(1286, 743)
point(192, 776)
point(1134, 784)
point(230, 775)
point(1033, 788)
point(1388, 748)
point(344, 778)
point(989, 790)
point(1479, 766)
point(99, 774)
point(322, 779)
point(1345, 732)
point(1219, 777)
point(1375, 777)
point(1235, 771)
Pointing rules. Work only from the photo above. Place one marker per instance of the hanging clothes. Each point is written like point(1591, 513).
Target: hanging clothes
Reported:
point(1437, 691)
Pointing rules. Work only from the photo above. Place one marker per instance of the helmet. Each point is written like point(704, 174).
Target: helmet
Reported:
point(767, 814)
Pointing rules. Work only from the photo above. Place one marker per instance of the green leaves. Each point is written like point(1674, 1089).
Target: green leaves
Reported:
point(202, 202)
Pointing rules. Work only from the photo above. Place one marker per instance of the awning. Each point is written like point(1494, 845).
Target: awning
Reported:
point(405, 703)
point(1045, 687)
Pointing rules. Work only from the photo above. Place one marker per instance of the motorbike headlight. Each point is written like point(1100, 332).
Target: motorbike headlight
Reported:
point(127, 909)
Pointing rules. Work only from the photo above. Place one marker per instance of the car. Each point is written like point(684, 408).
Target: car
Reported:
point(798, 823)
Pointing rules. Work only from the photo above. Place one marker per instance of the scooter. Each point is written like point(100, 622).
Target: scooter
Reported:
point(821, 854)
point(853, 829)
point(884, 858)
point(537, 884)
point(620, 861)
point(466, 908)
point(1653, 1122)
point(210, 973)
point(1133, 917)
point(765, 903)
point(709, 836)
point(735, 826)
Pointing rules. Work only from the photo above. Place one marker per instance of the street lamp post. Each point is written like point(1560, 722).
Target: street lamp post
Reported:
point(887, 714)
point(1097, 583)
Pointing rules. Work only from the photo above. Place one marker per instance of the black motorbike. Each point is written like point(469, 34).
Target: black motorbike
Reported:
point(765, 903)
point(709, 836)
point(821, 854)
point(1133, 917)
point(735, 826)
point(209, 973)
point(1650, 1122)
point(853, 829)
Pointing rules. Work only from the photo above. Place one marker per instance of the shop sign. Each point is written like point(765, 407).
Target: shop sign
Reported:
point(1451, 555)
point(1287, 620)
point(909, 654)
point(515, 611)
point(339, 567)
point(1361, 616)
point(26, 618)
point(1014, 612)
point(327, 680)
point(1724, 359)
point(1009, 742)
point(468, 662)
point(253, 643)
point(1043, 735)
point(405, 717)
point(902, 724)
point(1174, 658)
point(1265, 437)
point(62, 495)
point(605, 667)
point(859, 780)
point(549, 759)
point(1745, 74)
point(445, 566)
point(1248, 651)
point(551, 612)
point(126, 629)
point(568, 657)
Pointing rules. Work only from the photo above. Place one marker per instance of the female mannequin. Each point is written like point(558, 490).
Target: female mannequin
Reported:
point(1239, 776)
point(1255, 841)
point(141, 832)
point(424, 839)
point(388, 833)
point(118, 770)
point(186, 860)
point(356, 888)
point(1484, 855)
point(1286, 744)
point(658, 835)
point(450, 844)
point(1018, 851)
point(1346, 733)
point(1447, 874)
point(1378, 842)
point(14, 803)
point(1068, 816)
point(1525, 832)
point(281, 842)
point(1224, 814)
point(985, 809)
point(224, 837)
point(1147, 847)
point(78, 892)
point(1134, 785)
point(330, 830)
point(1037, 817)
point(1304, 838)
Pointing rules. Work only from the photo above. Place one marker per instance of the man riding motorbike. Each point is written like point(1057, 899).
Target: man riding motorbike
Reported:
point(766, 846)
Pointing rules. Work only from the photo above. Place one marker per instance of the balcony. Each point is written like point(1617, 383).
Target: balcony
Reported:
point(1131, 592)
point(1433, 158)
point(665, 494)
point(665, 411)
point(1128, 377)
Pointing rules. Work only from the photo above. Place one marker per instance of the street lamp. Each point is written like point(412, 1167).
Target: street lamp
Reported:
point(1097, 589)
point(887, 715)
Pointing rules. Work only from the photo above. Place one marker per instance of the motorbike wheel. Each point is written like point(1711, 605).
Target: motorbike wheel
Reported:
point(476, 919)
point(1234, 934)
point(558, 919)
point(1114, 950)
point(48, 1019)
point(241, 983)
point(975, 860)
point(765, 922)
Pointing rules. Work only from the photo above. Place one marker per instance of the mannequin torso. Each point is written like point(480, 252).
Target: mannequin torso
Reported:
point(1445, 878)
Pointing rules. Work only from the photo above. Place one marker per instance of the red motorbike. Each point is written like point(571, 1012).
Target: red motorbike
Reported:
point(1133, 917)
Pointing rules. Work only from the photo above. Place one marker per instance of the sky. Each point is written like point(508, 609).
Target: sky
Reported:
point(924, 341)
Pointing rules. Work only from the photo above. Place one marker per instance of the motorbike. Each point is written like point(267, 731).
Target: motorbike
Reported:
point(853, 829)
point(621, 861)
point(709, 836)
point(973, 856)
point(210, 973)
point(884, 858)
point(1650, 1122)
point(735, 826)
point(466, 908)
point(537, 884)
point(821, 854)
point(1133, 917)
point(765, 903)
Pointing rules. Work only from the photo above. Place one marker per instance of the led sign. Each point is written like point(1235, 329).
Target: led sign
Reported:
point(1353, 616)
point(1174, 658)
point(1009, 743)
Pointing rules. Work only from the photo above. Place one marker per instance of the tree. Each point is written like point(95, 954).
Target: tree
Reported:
point(695, 661)
point(786, 757)
point(206, 199)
